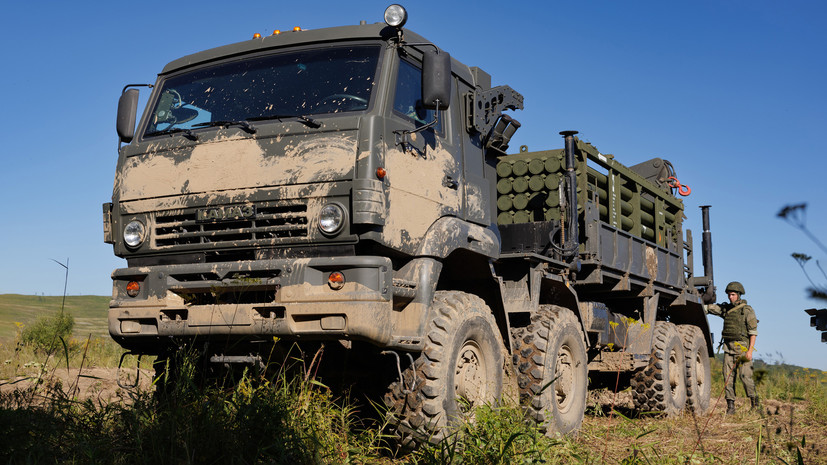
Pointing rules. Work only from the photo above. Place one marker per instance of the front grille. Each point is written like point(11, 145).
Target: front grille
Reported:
point(272, 223)
point(229, 297)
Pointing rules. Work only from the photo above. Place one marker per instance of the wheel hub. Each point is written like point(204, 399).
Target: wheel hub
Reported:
point(470, 374)
point(700, 373)
point(564, 378)
point(674, 375)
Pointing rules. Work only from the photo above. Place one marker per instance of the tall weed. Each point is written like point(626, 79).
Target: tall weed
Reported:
point(47, 332)
point(261, 419)
point(498, 435)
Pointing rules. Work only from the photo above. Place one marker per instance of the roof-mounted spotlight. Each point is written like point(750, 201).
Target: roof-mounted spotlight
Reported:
point(396, 16)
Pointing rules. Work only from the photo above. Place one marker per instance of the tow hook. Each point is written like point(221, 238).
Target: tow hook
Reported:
point(137, 374)
point(405, 389)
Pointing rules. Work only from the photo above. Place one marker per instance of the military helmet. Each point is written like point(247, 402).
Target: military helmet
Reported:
point(735, 286)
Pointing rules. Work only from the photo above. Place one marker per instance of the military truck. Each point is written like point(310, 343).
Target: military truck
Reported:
point(351, 186)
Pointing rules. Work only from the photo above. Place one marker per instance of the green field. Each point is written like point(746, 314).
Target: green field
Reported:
point(89, 312)
point(287, 415)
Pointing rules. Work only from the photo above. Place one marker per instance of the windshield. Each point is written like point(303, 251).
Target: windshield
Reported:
point(321, 81)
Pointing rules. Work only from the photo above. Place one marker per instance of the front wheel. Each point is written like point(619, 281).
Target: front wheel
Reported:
point(550, 356)
point(462, 367)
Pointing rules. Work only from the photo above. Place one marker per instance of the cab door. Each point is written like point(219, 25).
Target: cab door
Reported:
point(424, 169)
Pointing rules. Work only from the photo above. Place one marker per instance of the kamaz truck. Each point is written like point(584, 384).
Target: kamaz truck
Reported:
point(352, 187)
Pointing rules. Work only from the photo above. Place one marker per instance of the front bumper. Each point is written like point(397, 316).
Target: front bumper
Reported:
point(254, 300)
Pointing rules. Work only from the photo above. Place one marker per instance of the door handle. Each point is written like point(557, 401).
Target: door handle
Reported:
point(450, 182)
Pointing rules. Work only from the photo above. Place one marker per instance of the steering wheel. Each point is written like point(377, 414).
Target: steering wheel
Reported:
point(177, 101)
point(343, 102)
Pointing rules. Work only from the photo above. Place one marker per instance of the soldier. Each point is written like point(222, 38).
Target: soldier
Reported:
point(738, 337)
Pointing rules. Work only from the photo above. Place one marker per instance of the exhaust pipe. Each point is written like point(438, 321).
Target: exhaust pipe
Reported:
point(571, 241)
point(706, 251)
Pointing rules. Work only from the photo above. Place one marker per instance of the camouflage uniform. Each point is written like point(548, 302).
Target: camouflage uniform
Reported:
point(739, 324)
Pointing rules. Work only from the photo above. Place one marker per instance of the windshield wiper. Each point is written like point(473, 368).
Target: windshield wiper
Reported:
point(187, 133)
point(304, 119)
point(244, 125)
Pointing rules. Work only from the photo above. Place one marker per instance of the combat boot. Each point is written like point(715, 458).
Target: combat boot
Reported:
point(730, 407)
point(753, 402)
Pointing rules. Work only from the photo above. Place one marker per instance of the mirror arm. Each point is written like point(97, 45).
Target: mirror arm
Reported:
point(136, 85)
point(419, 44)
point(400, 42)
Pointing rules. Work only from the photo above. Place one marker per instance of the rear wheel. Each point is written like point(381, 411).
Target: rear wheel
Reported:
point(661, 386)
point(462, 367)
point(550, 356)
point(698, 374)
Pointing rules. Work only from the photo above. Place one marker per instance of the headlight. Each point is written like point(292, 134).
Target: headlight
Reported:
point(331, 218)
point(134, 233)
point(396, 16)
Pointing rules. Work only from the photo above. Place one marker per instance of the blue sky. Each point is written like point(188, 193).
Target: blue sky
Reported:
point(732, 92)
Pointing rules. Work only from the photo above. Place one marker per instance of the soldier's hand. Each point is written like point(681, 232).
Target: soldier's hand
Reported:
point(708, 298)
point(748, 355)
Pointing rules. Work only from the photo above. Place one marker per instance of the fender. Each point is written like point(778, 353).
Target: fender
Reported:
point(693, 314)
point(449, 234)
point(566, 297)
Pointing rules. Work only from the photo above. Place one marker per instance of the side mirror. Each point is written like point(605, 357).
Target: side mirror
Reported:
point(127, 110)
point(436, 80)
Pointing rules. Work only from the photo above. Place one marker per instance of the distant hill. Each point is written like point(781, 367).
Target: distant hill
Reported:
point(89, 311)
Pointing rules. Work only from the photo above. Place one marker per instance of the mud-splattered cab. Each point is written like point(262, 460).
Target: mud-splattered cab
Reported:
point(309, 184)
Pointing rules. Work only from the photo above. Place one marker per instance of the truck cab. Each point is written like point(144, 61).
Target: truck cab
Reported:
point(294, 185)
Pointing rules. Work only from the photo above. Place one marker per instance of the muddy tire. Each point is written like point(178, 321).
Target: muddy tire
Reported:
point(661, 386)
point(698, 374)
point(462, 366)
point(552, 374)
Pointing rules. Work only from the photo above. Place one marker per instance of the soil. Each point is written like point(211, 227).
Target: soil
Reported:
point(92, 383)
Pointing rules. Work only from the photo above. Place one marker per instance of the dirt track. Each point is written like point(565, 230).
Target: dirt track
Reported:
point(95, 383)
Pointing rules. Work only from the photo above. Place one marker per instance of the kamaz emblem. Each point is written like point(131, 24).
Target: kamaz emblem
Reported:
point(233, 212)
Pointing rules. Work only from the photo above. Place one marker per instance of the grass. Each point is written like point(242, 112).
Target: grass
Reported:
point(288, 416)
point(783, 427)
point(272, 420)
point(90, 312)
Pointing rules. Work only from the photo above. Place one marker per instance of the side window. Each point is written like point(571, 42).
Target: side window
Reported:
point(407, 102)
